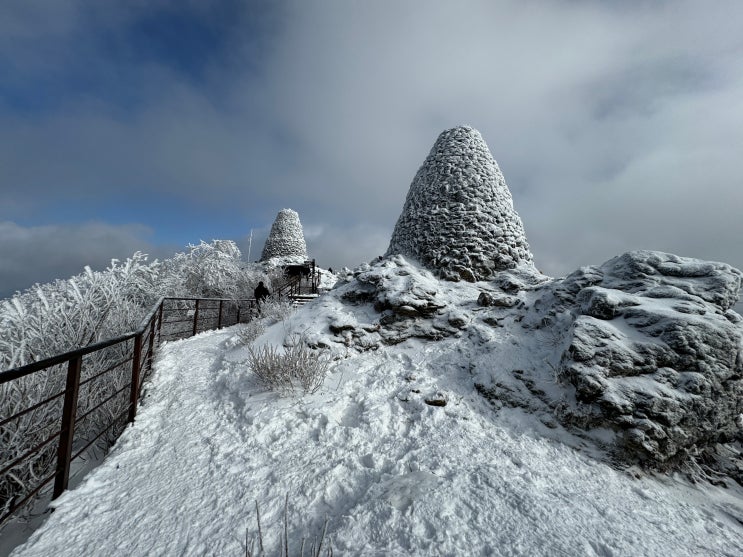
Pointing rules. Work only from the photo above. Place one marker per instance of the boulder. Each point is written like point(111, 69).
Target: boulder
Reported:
point(652, 353)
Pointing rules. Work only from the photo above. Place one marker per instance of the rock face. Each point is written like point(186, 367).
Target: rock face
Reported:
point(654, 353)
point(286, 238)
point(407, 301)
point(458, 219)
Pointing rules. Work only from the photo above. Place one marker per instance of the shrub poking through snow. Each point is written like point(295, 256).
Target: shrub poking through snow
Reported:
point(296, 367)
point(318, 547)
point(251, 331)
point(275, 310)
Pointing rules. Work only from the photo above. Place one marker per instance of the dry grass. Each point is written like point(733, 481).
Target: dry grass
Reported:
point(294, 368)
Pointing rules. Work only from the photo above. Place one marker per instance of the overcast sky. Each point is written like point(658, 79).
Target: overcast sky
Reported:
point(151, 124)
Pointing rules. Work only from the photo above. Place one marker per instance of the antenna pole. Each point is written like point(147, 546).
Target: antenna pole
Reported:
point(250, 244)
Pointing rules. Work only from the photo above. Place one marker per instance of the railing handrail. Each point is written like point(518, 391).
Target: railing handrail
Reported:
point(208, 299)
point(22, 371)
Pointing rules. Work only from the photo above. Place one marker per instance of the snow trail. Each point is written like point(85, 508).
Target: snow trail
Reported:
point(394, 475)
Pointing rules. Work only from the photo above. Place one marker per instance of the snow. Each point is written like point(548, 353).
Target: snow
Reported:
point(393, 475)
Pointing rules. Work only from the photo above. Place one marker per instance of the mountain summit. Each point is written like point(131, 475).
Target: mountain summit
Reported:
point(458, 219)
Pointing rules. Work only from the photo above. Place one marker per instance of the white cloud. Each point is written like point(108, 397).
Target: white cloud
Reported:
point(617, 125)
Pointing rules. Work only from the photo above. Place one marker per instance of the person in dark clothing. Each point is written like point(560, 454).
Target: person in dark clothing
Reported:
point(260, 293)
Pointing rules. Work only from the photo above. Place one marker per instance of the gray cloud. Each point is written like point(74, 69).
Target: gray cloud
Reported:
point(50, 252)
point(617, 125)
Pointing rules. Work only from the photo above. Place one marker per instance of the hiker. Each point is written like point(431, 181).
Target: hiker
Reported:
point(260, 293)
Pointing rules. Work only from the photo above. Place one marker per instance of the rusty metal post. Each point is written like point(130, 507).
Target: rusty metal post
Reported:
point(196, 318)
point(160, 321)
point(64, 450)
point(134, 391)
point(219, 318)
point(315, 278)
point(151, 352)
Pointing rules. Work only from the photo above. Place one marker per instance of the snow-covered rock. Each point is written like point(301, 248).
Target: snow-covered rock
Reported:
point(286, 239)
point(458, 219)
point(652, 352)
point(407, 302)
point(642, 353)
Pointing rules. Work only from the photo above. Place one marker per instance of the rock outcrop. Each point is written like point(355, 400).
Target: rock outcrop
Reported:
point(407, 302)
point(653, 355)
point(458, 219)
point(286, 239)
point(642, 354)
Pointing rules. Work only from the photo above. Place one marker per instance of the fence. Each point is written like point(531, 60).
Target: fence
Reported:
point(81, 394)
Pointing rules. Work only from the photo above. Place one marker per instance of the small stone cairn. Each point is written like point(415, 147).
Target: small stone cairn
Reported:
point(286, 239)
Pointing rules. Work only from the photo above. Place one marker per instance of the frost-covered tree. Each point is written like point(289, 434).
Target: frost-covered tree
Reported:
point(209, 270)
point(458, 218)
point(286, 238)
point(53, 318)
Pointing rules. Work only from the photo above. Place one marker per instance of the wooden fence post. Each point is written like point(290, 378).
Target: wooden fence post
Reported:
point(69, 410)
point(134, 392)
point(219, 319)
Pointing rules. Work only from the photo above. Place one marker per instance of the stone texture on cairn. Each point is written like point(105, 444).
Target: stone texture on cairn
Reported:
point(458, 219)
point(286, 238)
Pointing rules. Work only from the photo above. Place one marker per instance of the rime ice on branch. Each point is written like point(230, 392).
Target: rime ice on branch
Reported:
point(458, 218)
point(286, 238)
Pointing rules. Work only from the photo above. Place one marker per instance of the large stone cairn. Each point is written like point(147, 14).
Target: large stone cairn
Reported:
point(286, 238)
point(458, 219)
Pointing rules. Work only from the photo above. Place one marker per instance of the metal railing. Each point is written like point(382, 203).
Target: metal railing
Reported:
point(73, 376)
point(300, 280)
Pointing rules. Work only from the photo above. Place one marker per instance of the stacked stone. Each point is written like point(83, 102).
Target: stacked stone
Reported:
point(286, 238)
point(458, 219)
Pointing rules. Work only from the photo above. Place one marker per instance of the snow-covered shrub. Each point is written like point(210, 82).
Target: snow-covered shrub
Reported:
point(209, 270)
point(55, 318)
point(275, 310)
point(68, 314)
point(296, 367)
point(251, 331)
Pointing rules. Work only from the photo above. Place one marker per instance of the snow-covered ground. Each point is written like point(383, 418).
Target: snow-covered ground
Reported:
point(392, 474)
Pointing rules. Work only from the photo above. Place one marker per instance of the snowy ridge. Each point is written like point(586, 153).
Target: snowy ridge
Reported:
point(286, 239)
point(458, 218)
point(494, 412)
point(394, 474)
